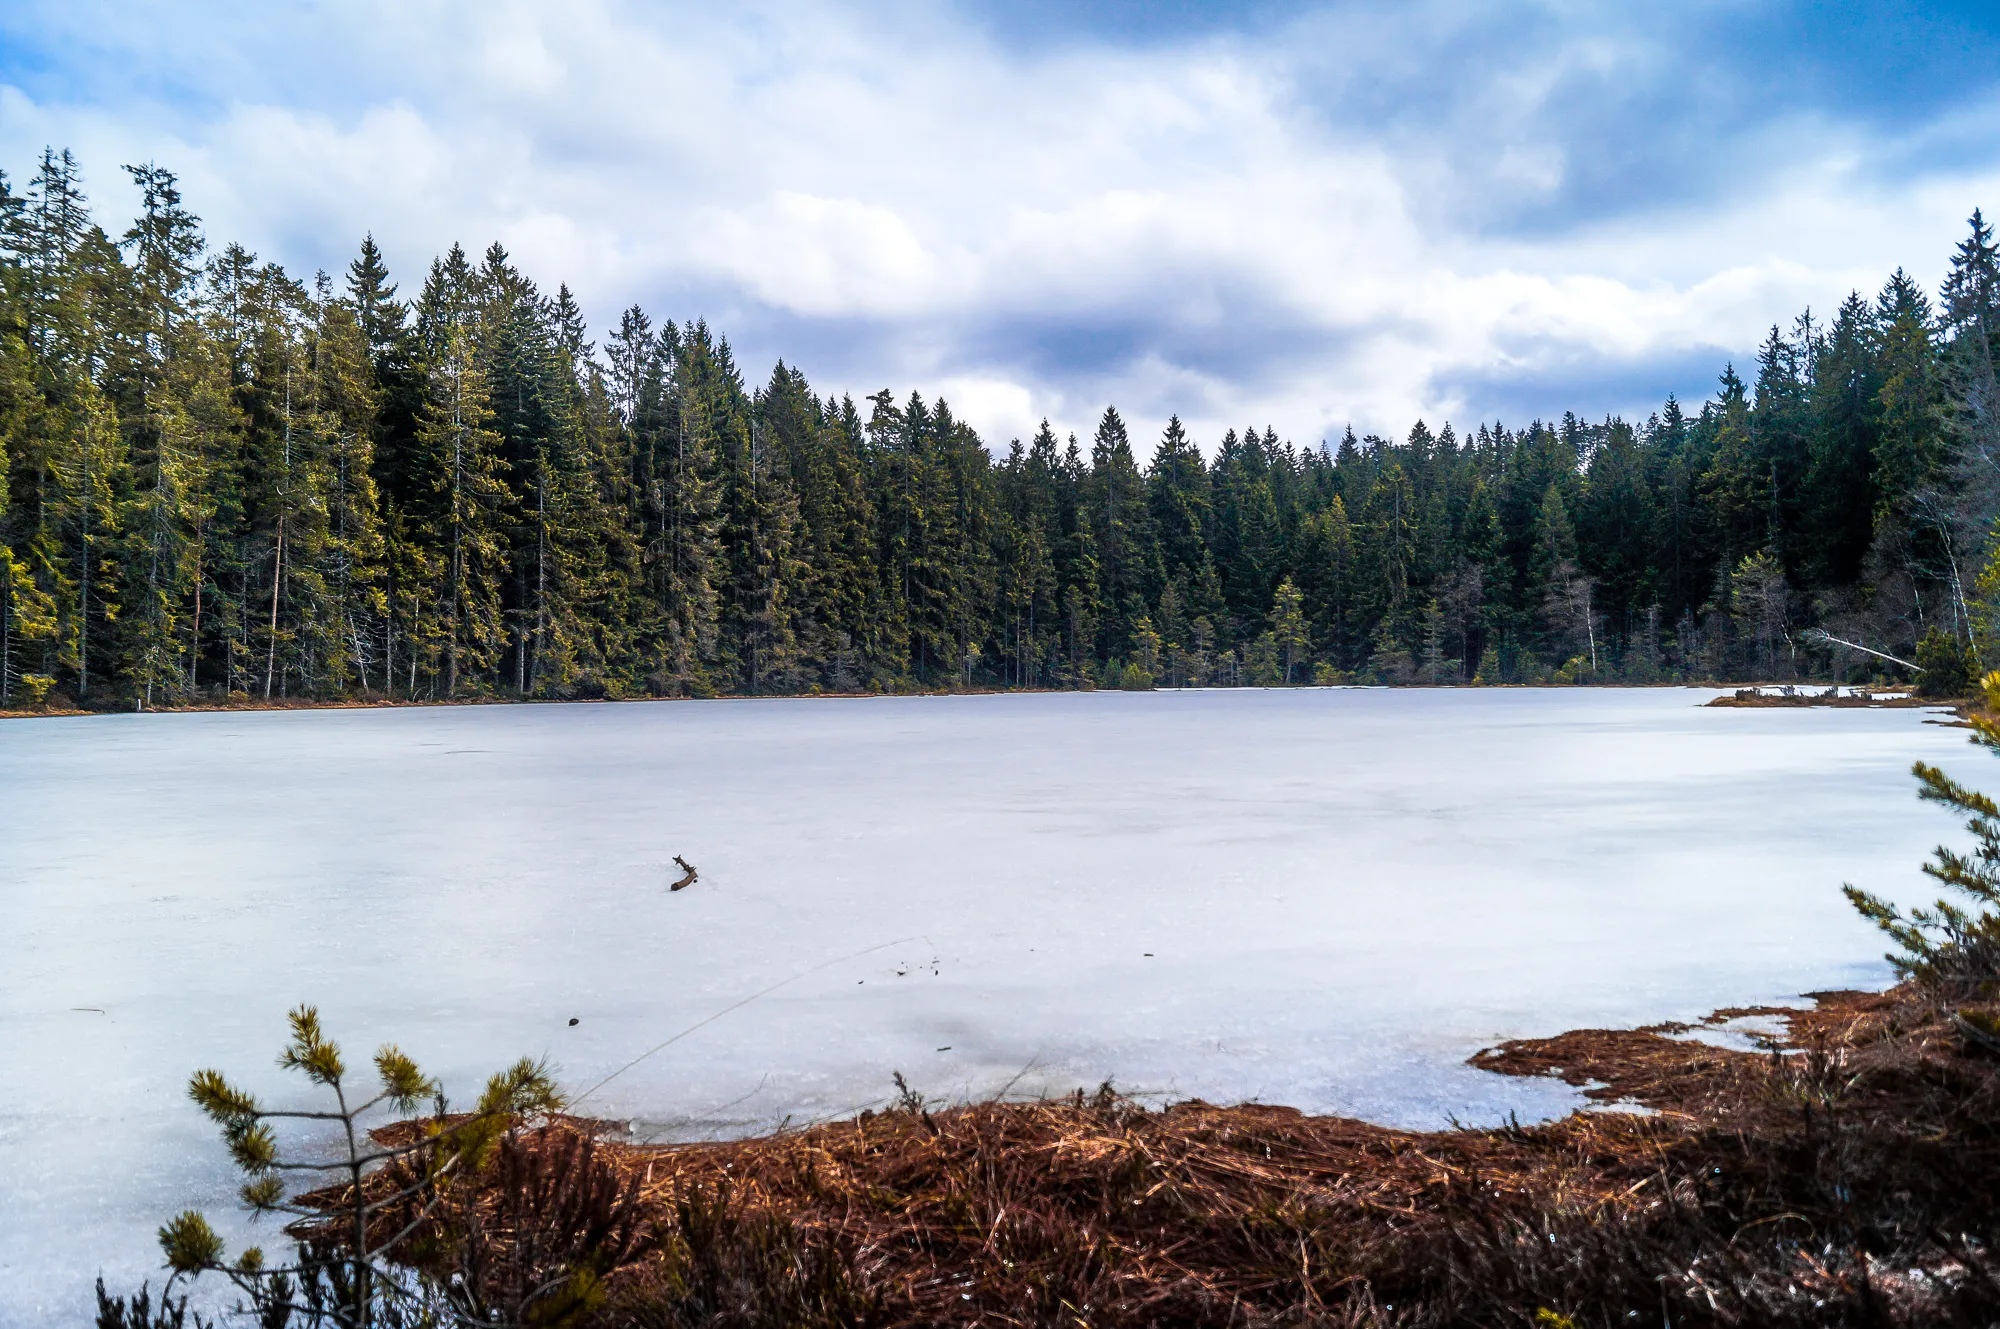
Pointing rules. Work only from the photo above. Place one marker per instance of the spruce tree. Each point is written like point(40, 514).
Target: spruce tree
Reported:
point(684, 552)
point(465, 538)
point(759, 525)
point(352, 557)
point(1114, 498)
point(1910, 446)
point(1177, 480)
point(1840, 479)
point(1737, 483)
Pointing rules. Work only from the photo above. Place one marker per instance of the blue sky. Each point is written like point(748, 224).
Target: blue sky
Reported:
point(1274, 213)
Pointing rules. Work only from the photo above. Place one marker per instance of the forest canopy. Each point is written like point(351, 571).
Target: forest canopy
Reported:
point(221, 480)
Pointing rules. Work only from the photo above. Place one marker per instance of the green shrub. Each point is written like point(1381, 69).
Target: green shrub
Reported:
point(1577, 670)
point(1134, 678)
point(1946, 663)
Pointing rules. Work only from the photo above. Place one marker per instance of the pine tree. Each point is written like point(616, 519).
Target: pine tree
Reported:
point(462, 453)
point(89, 475)
point(158, 366)
point(1909, 448)
point(1737, 483)
point(760, 524)
point(1568, 595)
point(966, 472)
point(1288, 624)
point(1386, 550)
point(27, 611)
point(379, 313)
point(358, 1284)
point(67, 459)
point(1326, 580)
point(1027, 569)
point(681, 486)
point(1248, 541)
point(1758, 600)
point(1076, 563)
point(1615, 528)
point(1121, 530)
point(1970, 323)
point(345, 409)
point(1177, 481)
point(1971, 292)
point(839, 598)
point(1952, 948)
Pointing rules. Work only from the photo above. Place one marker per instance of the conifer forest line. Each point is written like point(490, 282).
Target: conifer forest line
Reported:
point(220, 480)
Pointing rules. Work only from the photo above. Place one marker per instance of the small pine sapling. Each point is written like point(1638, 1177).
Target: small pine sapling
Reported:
point(139, 1312)
point(1950, 948)
point(342, 1274)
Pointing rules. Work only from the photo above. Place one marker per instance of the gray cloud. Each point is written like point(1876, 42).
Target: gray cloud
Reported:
point(1296, 215)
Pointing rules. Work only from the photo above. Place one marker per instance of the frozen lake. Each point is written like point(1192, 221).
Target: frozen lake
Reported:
point(1322, 898)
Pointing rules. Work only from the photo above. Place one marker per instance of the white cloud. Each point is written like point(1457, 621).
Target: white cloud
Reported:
point(891, 199)
point(833, 257)
point(1004, 408)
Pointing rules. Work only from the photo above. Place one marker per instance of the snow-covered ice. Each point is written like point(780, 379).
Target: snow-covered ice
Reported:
point(1327, 898)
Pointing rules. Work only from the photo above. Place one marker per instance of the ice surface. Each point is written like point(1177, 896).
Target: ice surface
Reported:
point(1744, 1033)
point(1323, 898)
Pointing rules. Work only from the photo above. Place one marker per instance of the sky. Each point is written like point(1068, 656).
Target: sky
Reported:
point(1297, 215)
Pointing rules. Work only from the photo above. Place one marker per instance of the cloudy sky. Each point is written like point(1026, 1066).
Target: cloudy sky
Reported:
point(1293, 214)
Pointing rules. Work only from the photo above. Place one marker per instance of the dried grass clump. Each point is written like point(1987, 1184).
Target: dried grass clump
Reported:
point(1848, 1174)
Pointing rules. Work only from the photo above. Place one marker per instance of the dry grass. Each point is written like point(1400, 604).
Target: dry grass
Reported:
point(1750, 698)
point(1848, 1175)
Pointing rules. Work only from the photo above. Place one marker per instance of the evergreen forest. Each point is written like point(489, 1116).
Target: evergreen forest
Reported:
point(222, 481)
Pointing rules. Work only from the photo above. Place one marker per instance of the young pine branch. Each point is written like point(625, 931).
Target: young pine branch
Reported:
point(441, 1151)
point(1950, 945)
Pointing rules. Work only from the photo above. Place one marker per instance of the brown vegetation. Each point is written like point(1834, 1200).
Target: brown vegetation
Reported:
point(1845, 1174)
point(1754, 697)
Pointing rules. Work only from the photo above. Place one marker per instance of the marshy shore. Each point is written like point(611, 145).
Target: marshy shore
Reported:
point(1833, 1164)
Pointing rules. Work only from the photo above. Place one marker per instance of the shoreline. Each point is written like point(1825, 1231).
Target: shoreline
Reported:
point(1771, 1165)
point(400, 703)
point(1751, 698)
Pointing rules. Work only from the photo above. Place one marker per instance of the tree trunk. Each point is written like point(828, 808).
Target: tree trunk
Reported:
point(277, 577)
point(83, 596)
